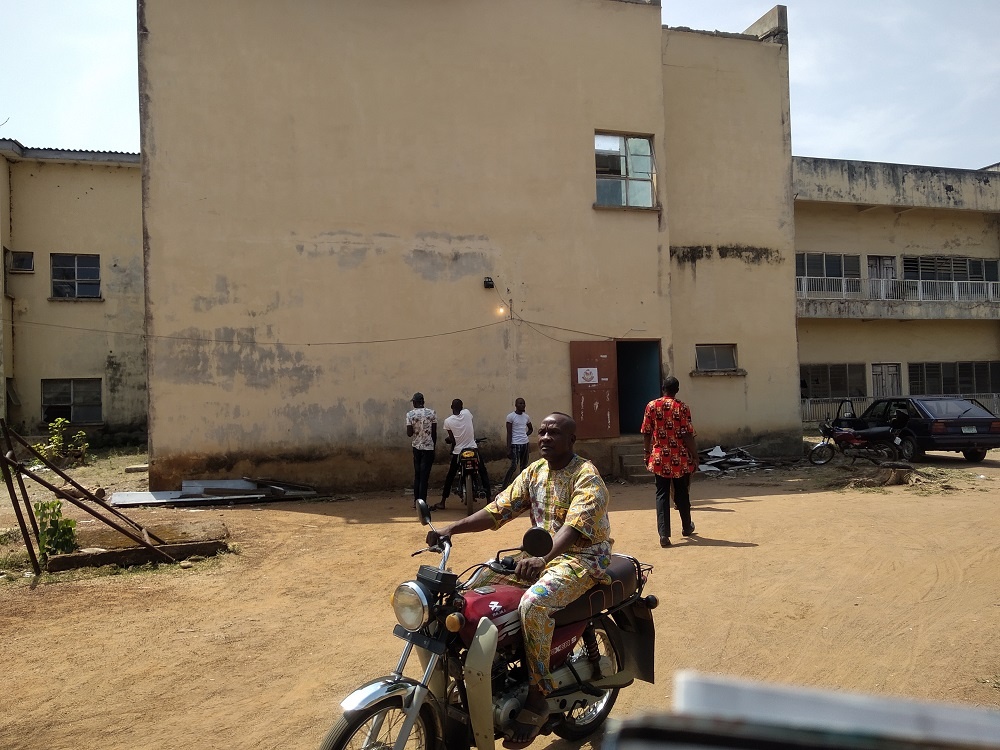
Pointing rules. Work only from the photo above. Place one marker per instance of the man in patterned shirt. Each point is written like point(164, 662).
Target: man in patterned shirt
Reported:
point(566, 496)
point(421, 425)
point(672, 455)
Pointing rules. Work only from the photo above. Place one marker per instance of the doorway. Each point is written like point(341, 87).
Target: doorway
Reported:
point(638, 381)
point(612, 381)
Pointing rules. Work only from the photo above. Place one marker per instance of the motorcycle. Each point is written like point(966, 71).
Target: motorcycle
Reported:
point(468, 641)
point(875, 444)
point(470, 486)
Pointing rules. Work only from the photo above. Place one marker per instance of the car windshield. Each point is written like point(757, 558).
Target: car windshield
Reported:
point(953, 408)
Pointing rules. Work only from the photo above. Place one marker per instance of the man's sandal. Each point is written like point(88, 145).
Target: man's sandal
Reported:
point(530, 725)
point(437, 506)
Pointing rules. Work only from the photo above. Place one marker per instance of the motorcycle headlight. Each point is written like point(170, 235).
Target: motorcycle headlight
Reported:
point(411, 605)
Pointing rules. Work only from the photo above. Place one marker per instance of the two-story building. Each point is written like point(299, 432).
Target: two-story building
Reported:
point(897, 280)
point(345, 203)
point(73, 329)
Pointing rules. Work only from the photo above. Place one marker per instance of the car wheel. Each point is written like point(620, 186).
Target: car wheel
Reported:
point(908, 449)
point(974, 456)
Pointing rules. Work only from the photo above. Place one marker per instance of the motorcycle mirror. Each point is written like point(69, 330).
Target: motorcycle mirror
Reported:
point(423, 512)
point(536, 542)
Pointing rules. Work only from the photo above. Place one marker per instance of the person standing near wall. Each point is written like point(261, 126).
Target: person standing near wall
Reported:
point(671, 454)
point(518, 428)
point(461, 435)
point(421, 425)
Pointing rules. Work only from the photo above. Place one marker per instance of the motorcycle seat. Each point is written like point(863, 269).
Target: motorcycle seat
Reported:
point(624, 572)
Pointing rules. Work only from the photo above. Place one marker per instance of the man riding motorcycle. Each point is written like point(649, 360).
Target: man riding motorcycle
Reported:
point(567, 498)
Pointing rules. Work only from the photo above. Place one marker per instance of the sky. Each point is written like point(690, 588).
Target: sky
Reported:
point(903, 81)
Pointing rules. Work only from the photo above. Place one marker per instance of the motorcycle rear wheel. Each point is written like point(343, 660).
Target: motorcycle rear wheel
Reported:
point(351, 733)
point(821, 454)
point(470, 494)
point(581, 722)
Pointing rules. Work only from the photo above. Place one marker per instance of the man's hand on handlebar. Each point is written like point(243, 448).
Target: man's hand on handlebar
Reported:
point(434, 538)
point(530, 568)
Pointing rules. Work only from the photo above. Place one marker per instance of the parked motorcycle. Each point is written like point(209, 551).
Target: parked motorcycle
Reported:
point(474, 680)
point(876, 444)
point(470, 486)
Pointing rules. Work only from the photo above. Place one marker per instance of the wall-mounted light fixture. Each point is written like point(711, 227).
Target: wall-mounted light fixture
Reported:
point(488, 282)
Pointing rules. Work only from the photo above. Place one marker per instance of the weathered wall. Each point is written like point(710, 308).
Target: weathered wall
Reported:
point(79, 208)
point(6, 339)
point(880, 184)
point(327, 184)
point(897, 341)
point(892, 331)
point(729, 210)
point(883, 230)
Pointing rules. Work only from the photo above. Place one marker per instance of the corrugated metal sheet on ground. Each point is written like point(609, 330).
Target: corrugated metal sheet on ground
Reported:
point(216, 492)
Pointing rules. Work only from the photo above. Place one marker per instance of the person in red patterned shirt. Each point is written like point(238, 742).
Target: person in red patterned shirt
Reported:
point(671, 454)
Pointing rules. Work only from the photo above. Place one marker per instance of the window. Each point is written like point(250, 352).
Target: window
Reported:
point(948, 268)
point(715, 357)
point(833, 381)
point(77, 400)
point(76, 276)
point(828, 265)
point(626, 175)
point(21, 262)
point(934, 378)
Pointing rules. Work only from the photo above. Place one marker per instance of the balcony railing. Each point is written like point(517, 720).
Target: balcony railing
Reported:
point(902, 290)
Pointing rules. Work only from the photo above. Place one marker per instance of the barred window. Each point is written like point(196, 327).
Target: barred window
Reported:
point(949, 268)
point(828, 265)
point(936, 378)
point(833, 380)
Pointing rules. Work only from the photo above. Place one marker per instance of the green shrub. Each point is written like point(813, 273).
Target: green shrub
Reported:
point(59, 448)
point(56, 535)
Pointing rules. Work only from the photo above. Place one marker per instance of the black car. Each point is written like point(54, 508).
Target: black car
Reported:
point(936, 423)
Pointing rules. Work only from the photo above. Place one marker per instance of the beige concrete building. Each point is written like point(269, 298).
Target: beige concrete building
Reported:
point(897, 282)
point(73, 312)
point(348, 202)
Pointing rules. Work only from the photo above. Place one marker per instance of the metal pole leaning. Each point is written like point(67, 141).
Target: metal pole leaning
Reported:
point(20, 518)
point(89, 495)
point(79, 504)
point(20, 483)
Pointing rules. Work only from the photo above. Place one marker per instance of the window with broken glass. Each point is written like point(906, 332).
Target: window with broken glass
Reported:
point(715, 357)
point(76, 276)
point(21, 262)
point(626, 174)
point(75, 399)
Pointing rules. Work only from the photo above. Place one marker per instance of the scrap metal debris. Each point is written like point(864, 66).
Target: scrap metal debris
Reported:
point(716, 460)
point(217, 492)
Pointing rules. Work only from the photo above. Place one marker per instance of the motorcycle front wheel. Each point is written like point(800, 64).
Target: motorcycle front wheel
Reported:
point(821, 454)
point(583, 721)
point(470, 494)
point(377, 728)
point(886, 452)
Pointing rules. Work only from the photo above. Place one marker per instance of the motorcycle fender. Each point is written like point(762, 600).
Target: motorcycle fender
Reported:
point(379, 689)
point(479, 685)
point(638, 639)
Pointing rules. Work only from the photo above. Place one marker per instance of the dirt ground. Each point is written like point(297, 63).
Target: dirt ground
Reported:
point(791, 578)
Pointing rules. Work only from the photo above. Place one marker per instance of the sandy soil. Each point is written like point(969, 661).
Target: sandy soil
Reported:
point(791, 578)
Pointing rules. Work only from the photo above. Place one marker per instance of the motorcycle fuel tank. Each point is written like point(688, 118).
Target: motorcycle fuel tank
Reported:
point(499, 604)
